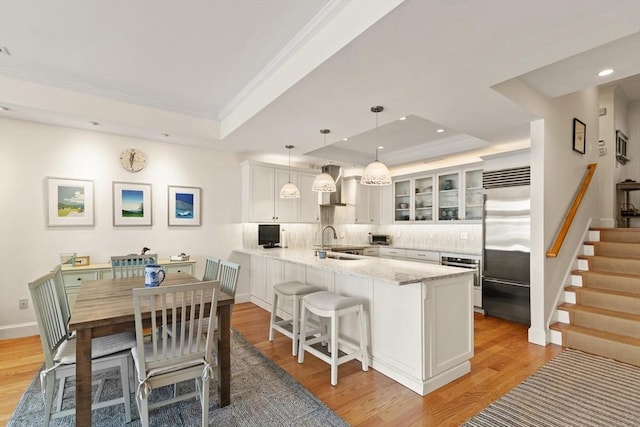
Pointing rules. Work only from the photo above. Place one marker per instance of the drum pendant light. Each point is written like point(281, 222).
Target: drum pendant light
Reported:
point(376, 173)
point(289, 190)
point(324, 183)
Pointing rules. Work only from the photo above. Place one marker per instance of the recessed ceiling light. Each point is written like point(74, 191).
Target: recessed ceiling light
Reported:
point(166, 135)
point(380, 147)
point(440, 130)
point(95, 123)
point(3, 108)
point(403, 118)
point(345, 139)
point(606, 72)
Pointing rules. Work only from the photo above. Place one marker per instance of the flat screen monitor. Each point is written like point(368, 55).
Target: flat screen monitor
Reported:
point(269, 235)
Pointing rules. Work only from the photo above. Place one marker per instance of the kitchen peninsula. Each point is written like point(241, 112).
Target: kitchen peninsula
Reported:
point(420, 316)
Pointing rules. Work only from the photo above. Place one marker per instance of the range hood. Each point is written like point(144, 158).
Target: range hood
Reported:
point(335, 198)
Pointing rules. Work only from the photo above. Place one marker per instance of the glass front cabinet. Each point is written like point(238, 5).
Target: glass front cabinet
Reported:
point(413, 199)
point(473, 195)
point(449, 196)
point(445, 196)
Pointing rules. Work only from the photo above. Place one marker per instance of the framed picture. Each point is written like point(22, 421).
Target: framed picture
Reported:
point(621, 147)
point(184, 205)
point(579, 136)
point(69, 202)
point(131, 204)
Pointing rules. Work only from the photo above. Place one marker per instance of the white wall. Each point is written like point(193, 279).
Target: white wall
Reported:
point(29, 152)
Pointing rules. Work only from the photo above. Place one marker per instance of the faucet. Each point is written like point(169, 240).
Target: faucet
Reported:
point(335, 236)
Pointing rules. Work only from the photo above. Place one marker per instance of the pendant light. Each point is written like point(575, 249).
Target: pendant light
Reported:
point(324, 183)
point(289, 190)
point(376, 173)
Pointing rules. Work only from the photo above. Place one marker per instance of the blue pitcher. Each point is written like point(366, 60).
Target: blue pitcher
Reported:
point(153, 275)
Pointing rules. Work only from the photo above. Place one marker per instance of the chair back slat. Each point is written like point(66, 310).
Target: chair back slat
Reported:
point(62, 294)
point(211, 266)
point(51, 322)
point(228, 276)
point(131, 265)
point(168, 307)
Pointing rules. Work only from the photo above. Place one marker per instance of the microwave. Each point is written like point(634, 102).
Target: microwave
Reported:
point(379, 239)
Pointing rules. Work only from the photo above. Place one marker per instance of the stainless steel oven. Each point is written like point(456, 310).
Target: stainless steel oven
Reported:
point(472, 262)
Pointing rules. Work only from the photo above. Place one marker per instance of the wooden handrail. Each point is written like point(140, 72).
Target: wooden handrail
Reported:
point(562, 233)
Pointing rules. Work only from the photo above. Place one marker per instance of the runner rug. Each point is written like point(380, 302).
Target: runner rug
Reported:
point(262, 394)
point(572, 389)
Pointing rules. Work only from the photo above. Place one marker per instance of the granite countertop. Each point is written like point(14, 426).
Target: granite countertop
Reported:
point(397, 272)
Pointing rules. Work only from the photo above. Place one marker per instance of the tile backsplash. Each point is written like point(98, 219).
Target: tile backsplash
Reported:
point(449, 237)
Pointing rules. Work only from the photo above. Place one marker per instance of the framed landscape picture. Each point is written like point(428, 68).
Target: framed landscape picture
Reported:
point(69, 202)
point(131, 204)
point(184, 205)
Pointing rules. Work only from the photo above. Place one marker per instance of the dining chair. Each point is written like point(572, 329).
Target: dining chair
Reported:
point(228, 275)
point(131, 265)
point(211, 267)
point(108, 352)
point(181, 344)
point(61, 291)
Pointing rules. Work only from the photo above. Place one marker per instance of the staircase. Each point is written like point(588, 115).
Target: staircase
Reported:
point(601, 312)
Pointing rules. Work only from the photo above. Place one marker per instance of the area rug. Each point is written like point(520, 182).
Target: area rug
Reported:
point(572, 389)
point(262, 394)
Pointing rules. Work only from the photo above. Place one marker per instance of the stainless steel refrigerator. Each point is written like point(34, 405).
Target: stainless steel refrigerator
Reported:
point(506, 236)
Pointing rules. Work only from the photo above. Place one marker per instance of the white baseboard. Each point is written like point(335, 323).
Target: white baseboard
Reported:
point(19, 330)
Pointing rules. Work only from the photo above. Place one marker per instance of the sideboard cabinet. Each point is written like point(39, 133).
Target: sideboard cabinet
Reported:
point(74, 276)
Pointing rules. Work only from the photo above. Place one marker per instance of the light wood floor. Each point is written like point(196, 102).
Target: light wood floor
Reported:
point(503, 358)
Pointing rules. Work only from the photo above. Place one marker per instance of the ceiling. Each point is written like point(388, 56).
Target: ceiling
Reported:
point(250, 77)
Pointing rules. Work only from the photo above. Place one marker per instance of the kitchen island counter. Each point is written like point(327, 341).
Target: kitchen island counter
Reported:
point(395, 272)
point(419, 316)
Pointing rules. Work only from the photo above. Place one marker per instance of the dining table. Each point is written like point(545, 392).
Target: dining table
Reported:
point(105, 307)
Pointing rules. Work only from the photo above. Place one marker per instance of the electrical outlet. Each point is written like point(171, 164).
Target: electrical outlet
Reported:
point(23, 303)
point(464, 236)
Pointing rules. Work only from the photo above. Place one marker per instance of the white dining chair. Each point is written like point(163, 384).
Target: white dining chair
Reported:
point(61, 290)
point(211, 267)
point(131, 265)
point(108, 352)
point(181, 344)
point(228, 275)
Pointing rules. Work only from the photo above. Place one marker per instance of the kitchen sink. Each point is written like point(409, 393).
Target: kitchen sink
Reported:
point(342, 257)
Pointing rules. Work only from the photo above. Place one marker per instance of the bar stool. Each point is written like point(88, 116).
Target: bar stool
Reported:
point(330, 305)
point(294, 291)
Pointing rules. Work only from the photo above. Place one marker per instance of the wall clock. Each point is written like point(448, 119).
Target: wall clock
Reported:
point(133, 160)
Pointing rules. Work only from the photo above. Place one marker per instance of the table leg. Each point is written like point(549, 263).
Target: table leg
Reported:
point(83, 377)
point(224, 355)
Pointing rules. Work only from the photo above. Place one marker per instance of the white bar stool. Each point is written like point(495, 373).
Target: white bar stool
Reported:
point(294, 291)
point(330, 305)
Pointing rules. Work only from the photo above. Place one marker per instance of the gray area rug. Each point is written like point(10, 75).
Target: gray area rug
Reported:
point(262, 394)
point(572, 389)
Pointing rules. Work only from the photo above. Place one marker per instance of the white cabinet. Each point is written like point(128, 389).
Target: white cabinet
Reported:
point(460, 195)
point(261, 200)
point(386, 211)
point(473, 194)
point(413, 199)
point(430, 257)
point(74, 276)
point(363, 202)
point(393, 253)
point(371, 251)
point(449, 196)
point(309, 203)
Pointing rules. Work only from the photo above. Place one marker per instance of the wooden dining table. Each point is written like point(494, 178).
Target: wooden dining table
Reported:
point(105, 307)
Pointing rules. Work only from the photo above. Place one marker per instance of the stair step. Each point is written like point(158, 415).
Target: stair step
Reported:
point(625, 302)
point(609, 280)
point(619, 234)
point(616, 249)
point(605, 320)
point(614, 346)
point(629, 265)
